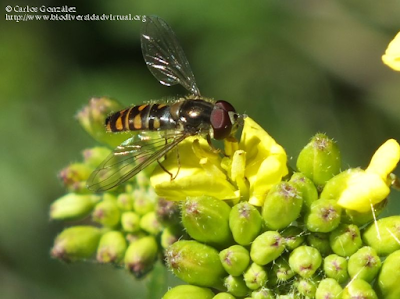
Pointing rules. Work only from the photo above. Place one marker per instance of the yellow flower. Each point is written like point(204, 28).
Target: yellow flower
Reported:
point(254, 164)
point(392, 55)
point(358, 189)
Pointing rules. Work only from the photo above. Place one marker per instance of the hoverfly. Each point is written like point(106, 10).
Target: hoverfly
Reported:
point(187, 116)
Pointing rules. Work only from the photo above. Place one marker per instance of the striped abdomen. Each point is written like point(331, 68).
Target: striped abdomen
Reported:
point(150, 117)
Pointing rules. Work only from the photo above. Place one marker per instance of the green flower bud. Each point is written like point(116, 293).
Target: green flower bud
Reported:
point(196, 263)
point(328, 288)
point(74, 177)
point(170, 235)
point(307, 189)
point(189, 291)
point(307, 287)
point(224, 295)
point(384, 235)
point(283, 199)
point(76, 243)
point(324, 216)
point(263, 293)
point(293, 236)
point(133, 237)
point(168, 212)
point(107, 213)
point(358, 288)
point(345, 240)
point(305, 261)
point(150, 224)
point(320, 159)
point(364, 264)
point(111, 248)
point(335, 267)
point(236, 286)
point(235, 259)
point(92, 117)
point(73, 206)
point(141, 255)
point(245, 223)
point(143, 201)
point(130, 222)
point(255, 277)
point(387, 284)
point(125, 202)
point(206, 219)
point(281, 271)
point(95, 155)
point(320, 241)
point(267, 247)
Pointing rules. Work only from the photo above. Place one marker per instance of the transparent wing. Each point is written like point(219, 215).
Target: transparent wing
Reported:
point(164, 56)
point(128, 159)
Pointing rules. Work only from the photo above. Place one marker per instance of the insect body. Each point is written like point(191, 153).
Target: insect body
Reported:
point(187, 116)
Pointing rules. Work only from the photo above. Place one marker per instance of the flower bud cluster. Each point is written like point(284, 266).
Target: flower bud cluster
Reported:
point(241, 226)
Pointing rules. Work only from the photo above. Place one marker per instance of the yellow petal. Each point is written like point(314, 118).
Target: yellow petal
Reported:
point(363, 189)
point(392, 55)
point(385, 159)
point(266, 160)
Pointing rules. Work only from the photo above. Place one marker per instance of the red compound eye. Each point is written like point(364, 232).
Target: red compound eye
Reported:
point(220, 120)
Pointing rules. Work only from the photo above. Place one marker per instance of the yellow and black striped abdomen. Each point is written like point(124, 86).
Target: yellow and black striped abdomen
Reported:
point(150, 117)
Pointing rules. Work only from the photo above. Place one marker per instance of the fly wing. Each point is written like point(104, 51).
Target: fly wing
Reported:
point(128, 159)
point(164, 56)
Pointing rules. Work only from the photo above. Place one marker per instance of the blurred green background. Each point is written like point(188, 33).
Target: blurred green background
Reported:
point(296, 67)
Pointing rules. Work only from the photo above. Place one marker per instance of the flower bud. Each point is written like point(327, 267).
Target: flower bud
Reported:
point(143, 201)
point(206, 219)
point(130, 222)
point(361, 218)
point(245, 223)
point(196, 263)
point(328, 288)
point(307, 287)
point(263, 293)
point(335, 267)
point(111, 248)
point(320, 159)
point(125, 202)
point(281, 272)
point(345, 240)
point(236, 286)
point(224, 295)
point(150, 224)
point(73, 206)
point(140, 256)
point(235, 259)
point(92, 119)
point(384, 235)
point(283, 199)
point(168, 212)
point(324, 216)
point(74, 177)
point(293, 236)
point(358, 288)
point(267, 247)
point(76, 243)
point(305, 261)
point(320, 241)
point(255, 277)
point(364, 264)
point(95, 155)
point(107, 213)
point(387, 284)
point(189, 291)
point(308, 191)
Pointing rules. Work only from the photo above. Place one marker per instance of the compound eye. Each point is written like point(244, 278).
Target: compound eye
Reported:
point(220, 119)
